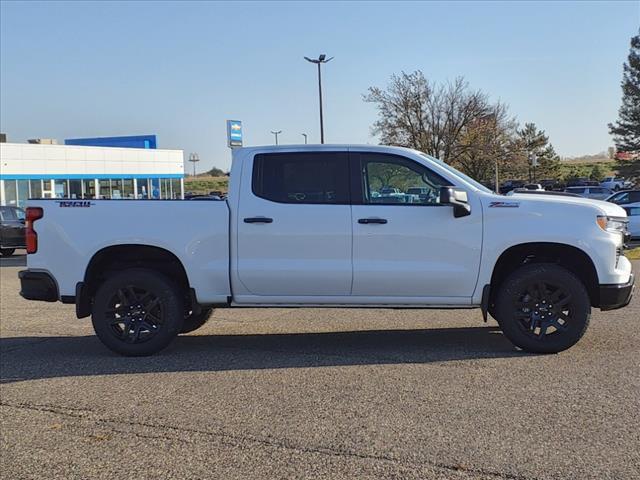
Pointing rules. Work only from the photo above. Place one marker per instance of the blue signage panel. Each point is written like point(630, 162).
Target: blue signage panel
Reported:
point(136, 141)
point(234, 133)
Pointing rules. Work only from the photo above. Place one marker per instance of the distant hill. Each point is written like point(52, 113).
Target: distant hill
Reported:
point(596, 158)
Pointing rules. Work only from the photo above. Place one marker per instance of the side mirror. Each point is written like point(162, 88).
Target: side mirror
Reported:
point(457, 198)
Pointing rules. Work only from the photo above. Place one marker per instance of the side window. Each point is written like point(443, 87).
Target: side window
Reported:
point(20, 214)
point(634, 197)
point(621, 198)
point(392, 180)
point(314, 177)
point(6, 214)
point(633, 211)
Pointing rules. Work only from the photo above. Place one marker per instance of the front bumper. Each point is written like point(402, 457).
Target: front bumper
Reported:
point(38, 286)
point(616, 295)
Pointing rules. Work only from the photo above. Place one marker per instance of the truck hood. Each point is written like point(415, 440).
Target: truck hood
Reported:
point(606, 208)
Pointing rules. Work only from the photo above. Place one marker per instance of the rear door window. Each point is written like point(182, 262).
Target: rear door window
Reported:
point(304, 178)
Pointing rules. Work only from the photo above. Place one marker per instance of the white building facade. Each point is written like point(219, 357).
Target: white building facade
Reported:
point(72, 171)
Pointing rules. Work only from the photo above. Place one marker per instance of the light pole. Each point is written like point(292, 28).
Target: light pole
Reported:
point(276, 135)
point(321, 59)
point(193, 157)
point(305, 138)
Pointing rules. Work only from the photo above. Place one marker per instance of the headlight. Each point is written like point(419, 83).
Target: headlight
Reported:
point(613, 224)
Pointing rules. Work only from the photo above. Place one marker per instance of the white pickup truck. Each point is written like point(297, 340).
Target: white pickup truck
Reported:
point(314, 226)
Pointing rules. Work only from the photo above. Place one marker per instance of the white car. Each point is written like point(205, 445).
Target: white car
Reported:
point(615, 183)
point(301, 228)
point(624, 197)
point(633, 213)
point(597, 193)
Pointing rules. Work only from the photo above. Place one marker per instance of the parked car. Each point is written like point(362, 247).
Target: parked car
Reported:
point(582, 182)
point(615, 183)
point(203, 197)
point(509, 185)
point(633, 214)
point(550, 184)
point(298, 231)
point(533, 186)
point(11, 230)
point(596, 193)
point(624, 197)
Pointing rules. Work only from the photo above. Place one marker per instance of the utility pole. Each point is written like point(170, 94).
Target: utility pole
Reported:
point(276, 135)
point(194, 158)
point(321, 59)
point(305, 138)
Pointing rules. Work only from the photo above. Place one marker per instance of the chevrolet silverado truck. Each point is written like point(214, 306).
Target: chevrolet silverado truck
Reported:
point(314, 226)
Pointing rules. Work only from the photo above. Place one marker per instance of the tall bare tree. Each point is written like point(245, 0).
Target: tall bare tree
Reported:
point(448, 121)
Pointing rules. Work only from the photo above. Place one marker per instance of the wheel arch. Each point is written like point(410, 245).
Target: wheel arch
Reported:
point(572, 258)
point(119, 257)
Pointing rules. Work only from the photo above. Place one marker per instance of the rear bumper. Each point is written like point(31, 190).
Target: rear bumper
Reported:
point(616, 295)
point(38, 286)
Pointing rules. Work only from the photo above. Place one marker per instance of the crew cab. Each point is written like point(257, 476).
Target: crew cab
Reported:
point(308, 226)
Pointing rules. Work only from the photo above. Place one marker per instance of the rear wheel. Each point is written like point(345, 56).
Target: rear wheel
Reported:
point(194, 321)
point(137, 312)
point(7, 252)
point(543, 308)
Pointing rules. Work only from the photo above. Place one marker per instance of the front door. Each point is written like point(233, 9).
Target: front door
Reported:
point(294, 225)
point(405, 244)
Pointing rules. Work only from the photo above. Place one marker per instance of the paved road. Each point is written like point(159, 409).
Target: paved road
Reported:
point(310, 393)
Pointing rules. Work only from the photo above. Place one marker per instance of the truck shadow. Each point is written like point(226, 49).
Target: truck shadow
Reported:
point(32, 358)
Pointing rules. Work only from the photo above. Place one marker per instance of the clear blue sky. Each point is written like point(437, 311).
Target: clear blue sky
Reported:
point(180, 69)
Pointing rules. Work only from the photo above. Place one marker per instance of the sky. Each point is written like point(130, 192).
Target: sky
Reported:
point(180, 69)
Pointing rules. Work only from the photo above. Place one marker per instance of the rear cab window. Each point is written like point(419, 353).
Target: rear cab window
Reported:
point(302, 177)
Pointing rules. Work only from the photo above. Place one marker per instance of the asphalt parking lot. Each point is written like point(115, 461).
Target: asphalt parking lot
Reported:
point(316, 393)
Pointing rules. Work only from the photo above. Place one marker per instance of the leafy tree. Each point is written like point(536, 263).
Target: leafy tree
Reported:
point(534, 142)
point(626, 130)
point(216, 172)
point(597, 173)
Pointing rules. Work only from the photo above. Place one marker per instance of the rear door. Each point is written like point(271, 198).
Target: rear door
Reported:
point(407, 245)
point(294, 225)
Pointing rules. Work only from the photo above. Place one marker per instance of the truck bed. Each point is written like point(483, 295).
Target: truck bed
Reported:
point(197, 233)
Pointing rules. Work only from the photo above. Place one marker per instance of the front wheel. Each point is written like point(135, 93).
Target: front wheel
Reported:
point(137, 312)
point(543, 308)
point(7, 252)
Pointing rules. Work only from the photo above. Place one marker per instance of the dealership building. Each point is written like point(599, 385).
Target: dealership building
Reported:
point(104, 168)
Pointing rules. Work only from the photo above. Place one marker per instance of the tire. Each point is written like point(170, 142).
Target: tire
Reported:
point(526, 313)
point(193, 322)
point(137, 312)
point(7, 252)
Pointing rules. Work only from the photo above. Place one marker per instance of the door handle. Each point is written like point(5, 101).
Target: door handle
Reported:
point(258, 220)
point(367, 221)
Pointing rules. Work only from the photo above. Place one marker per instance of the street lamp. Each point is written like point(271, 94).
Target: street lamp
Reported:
point(321, 59)
point(276, 134)
point(193, 157)
point(305, 138)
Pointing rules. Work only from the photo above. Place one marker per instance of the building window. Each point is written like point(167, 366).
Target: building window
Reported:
point(127, 188)
point(176, 190)
point(47, 188)
point(105, 188)
point(143, 187)
point(89, 188)
point(36, 189)
point(75, 188)
point(23, 192)
point(61, 189)
point(155, 188)
point(10, 192)
point(116, 188)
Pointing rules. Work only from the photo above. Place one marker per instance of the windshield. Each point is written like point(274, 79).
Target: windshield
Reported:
point(458, 173)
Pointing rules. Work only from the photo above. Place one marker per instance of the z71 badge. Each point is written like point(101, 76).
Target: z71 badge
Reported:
point(504, 205)
point(75, 203)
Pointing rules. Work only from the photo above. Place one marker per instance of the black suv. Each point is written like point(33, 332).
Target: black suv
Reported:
point(11, 230)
